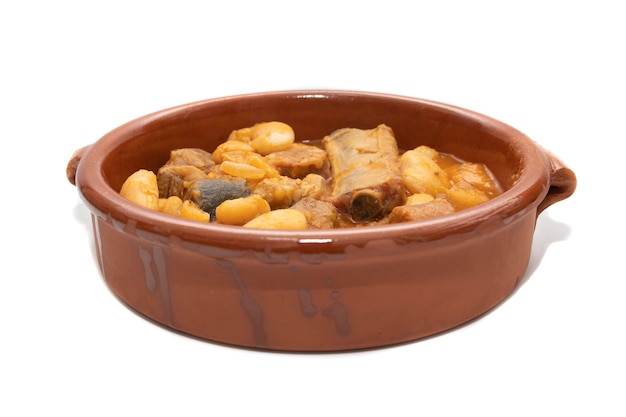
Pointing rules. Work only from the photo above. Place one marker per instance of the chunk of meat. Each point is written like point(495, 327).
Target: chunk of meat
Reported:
point(435, 208)
point(475, 174)
point(195, 157)
point(319, 214)
point(314, 186)
point(365, 167)
point(184, 166)
point(472, 184)
point(283, 192)
point(280, 192)
point(421, 174)
point(174, 180)
point(299, 160)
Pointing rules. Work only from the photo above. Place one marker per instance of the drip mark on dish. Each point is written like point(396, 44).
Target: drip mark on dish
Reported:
point(339, 313)
point(306, 302)
point(155, 271)
point(250, 306)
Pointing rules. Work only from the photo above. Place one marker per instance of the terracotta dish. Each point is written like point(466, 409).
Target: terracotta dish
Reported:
point(317, 290)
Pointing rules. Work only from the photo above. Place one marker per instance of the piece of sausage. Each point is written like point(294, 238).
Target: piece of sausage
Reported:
point(208, 193)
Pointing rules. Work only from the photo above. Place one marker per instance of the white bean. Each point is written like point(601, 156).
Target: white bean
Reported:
point(287, 219)
point(271, 137)
point(141, 187)
point(240, 211)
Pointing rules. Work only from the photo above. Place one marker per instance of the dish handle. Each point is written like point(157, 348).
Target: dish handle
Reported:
point(562, 182)
point(72, 165)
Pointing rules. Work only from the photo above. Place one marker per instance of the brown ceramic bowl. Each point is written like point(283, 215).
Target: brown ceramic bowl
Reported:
point(317, 290)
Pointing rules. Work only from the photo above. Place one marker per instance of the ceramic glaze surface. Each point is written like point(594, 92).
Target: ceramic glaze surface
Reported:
point(317, 290)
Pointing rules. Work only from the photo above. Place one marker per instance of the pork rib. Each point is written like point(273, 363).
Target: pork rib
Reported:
point(365, 168)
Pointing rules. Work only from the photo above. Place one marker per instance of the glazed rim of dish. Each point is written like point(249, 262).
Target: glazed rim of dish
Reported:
point(528, 190)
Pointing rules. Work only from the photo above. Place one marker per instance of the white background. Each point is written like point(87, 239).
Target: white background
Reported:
point(72, 71)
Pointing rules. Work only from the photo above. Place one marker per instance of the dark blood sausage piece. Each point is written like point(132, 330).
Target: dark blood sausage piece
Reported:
point(365, 169)
point(208, 193)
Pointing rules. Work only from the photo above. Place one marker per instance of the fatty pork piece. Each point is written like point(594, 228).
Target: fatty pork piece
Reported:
point(319, 214)
point(472, 184)
point(174, 180)
point(283, 192)
point(184, 166)
point(195, 157)
point(299, 160)
point(365, 167)
point(208, 193)
point(413, 212)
